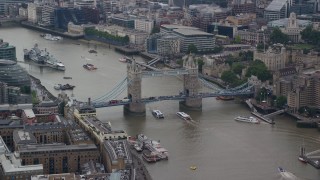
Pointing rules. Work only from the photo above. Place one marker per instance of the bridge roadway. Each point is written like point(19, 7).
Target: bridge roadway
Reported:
point(164, 98)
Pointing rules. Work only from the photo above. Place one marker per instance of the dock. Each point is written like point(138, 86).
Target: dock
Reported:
point(313, 158)
point(262, 117)
point(126, 51)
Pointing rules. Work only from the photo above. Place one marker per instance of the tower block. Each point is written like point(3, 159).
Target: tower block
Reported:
point(191, 85)
point(134, 75)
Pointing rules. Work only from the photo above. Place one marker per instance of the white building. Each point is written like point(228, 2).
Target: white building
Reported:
point(144, 25)
point(34, 12)
point(47, 15)
point(168, 45)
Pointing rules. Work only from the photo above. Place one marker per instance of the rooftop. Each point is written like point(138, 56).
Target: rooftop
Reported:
point(276, 5)
point(23, 137)
point(56, 147)
point(118, 149)
point(192, 32)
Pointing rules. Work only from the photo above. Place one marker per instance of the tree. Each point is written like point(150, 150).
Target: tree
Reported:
point(237, 40)
point(229, 77)
point(200, 64)
point(217, 49)
point(281, 101)
point(192, 49)
point(237, 68)
point(277, 36)
point(259, 69)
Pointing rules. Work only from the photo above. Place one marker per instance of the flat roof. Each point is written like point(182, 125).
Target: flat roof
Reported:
point(55, 147)
point(173, 26)
point(192, 32)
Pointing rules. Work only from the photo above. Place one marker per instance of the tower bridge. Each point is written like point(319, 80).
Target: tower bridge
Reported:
point(190, 97)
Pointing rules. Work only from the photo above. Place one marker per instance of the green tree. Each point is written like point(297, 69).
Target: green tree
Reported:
point(259, 69)
point(192, 49)
point(237, 39)
point(277, 36)
point(281, 101)
point(200, 64)
point(217, 49)
point(237, 68)
point(229, 77)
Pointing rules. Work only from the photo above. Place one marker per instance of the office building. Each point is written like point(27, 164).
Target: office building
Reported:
point(4, 4)
point(168, 45)
point(34, 13)
point(123, 21)
point(277, 9)
point(144, 25)
point(13, 74)
point(7, 51)
point(47, 15)
point(190, 35)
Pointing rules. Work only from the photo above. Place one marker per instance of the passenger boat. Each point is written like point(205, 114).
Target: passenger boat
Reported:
point(185, 117)
point(158, 114)
point(193, 167)
point(150, 156)
point(124, 59)
point(225, 98)
point(249, 119)
point(89, 67)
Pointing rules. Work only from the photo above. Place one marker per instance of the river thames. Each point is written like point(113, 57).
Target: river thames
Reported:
point(220, 148)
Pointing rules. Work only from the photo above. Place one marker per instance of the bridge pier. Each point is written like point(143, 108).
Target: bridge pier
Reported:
point(191, 85)
point(134, 75)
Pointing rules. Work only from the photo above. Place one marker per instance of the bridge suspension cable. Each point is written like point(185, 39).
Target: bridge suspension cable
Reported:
point(209, 85)
point(108, 94)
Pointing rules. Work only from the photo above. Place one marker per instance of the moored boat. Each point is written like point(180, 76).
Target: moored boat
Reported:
point(89, 67)
point(43, 57)
point(225, 98)
point(249, 119)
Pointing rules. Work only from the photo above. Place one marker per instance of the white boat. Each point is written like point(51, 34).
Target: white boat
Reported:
point(137, 147)
point(249, 119)
point(184, 116)
point(52, 38)
point(285, 174)
point(57, 86)
point(158, 114)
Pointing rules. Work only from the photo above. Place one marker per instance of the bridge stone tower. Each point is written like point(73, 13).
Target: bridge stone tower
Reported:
point(191, 85)
point(134, 75)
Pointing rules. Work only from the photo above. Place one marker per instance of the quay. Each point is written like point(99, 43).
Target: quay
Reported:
point(262, 117)
point(126, 51)
point(38, 28)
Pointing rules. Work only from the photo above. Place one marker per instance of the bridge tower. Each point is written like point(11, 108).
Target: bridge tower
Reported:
point(191, 85)
point(134, 75)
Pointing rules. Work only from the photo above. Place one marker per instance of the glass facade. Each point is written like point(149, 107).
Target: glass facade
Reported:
point(7, 51)
point(13, 74)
